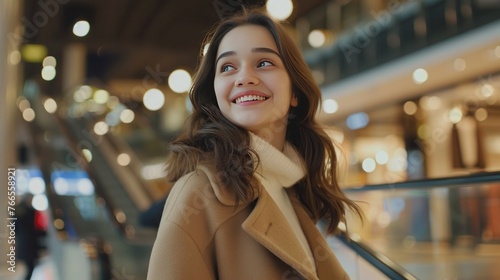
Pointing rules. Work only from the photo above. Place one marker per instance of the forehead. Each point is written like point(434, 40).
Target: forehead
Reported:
point(245, 38)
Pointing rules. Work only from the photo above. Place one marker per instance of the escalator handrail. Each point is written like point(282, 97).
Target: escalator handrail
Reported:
point(108, 205)
point(381, 262)
point(126, 230)
point(473, 178)
point(122, 146)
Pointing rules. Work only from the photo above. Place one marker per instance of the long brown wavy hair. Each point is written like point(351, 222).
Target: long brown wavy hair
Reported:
point(210, 139)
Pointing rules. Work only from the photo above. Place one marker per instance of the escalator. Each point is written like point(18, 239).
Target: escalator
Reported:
point(445, 228)
point(401, 239)
point(93, 225)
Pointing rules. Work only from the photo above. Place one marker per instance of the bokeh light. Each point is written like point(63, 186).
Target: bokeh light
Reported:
point(279, 9)
point(81, 28)
point(179, 81)
point(153, 99)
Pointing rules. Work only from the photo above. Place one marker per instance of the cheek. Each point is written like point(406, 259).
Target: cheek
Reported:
point(285, 90)
point(221, 88)
point(219, 91)
point(287, 99)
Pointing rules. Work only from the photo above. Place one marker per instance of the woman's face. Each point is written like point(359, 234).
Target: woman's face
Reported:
point(252, 86)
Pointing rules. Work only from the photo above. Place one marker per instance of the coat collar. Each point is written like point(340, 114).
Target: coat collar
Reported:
point(327, 265)
point(268, 226)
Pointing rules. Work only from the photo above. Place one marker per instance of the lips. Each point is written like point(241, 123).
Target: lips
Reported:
point(249, 96)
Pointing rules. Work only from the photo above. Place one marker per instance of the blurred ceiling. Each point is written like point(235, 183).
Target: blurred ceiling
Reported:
point(393, 82)
point(129, 39)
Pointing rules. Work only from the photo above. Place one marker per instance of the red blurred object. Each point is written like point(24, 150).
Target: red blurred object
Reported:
point(40, 221)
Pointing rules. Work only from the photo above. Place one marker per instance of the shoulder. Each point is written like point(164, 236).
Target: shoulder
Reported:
point(204, 181)
point(191, 194)
point(197, 196)
point(196, 184)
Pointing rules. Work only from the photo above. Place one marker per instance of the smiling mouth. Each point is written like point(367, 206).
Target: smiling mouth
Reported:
point(249, 98)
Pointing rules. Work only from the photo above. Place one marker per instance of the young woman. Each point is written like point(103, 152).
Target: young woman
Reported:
point(254, 171)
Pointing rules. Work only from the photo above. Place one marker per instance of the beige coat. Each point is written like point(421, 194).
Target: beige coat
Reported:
point(204, 235)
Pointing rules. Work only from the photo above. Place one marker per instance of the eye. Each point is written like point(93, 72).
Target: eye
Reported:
point(264, 63)
point(226, 68)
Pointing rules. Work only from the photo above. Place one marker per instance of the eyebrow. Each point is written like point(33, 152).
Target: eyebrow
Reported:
point(254, 50)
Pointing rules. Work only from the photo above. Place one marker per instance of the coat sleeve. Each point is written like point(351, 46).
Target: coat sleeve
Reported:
point(175, 256)
point(179, 251)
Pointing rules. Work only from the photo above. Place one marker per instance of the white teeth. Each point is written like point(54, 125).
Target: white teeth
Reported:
point(249, 98)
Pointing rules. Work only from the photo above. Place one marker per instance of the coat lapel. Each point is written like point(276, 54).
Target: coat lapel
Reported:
point(327, 265)
point(268, 226)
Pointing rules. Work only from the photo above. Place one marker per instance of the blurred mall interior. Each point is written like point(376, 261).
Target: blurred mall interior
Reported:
point(93, 92)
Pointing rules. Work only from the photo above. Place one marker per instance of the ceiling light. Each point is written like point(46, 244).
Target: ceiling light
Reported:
point(36, 185)
point(455, 115)
point(410, 107)
point(127, 116)
point(316, 38)
point(83, 93)
point(330, 106)
point(29, 115)
point(40, 202)
point(50, 105)
point(123, 159)
point(81, 28)
point(101, 96)
point(481, 114)
point(24, 104)
point(420, 76)
point(101, 128)
point(179, 81)
point(48, 73)
point(153, 99)
point(487, 90)
point(368, 165)
point(49, 61)
point(279, 9)
point(382, 157)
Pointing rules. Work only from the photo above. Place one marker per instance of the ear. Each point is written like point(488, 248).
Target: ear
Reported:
point(294, 101)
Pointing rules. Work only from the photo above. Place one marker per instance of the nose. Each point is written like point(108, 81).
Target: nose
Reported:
point(246, 77)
